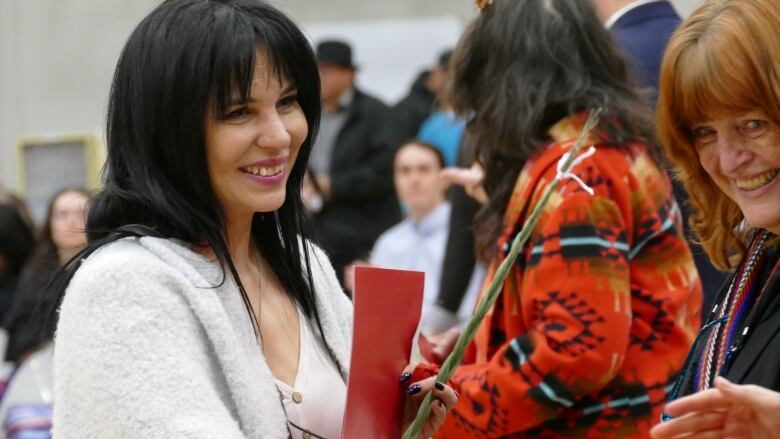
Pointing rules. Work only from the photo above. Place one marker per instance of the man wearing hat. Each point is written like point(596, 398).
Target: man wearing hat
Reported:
point(350, 167)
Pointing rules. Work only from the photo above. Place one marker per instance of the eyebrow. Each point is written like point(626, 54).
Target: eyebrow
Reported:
point(292, 86)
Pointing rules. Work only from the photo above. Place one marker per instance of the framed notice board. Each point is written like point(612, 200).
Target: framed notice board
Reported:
point(46, 164)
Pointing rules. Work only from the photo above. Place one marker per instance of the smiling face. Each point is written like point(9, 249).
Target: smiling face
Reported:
point(742, 156)
point(251, 150)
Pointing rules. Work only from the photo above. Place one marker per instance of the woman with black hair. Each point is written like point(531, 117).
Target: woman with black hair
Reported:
point(199, 308)
point(596, 316)
point(61, 238)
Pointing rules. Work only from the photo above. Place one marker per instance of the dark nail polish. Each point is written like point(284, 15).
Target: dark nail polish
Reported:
point(439, 386)
point(415, 389)
point(405, 377)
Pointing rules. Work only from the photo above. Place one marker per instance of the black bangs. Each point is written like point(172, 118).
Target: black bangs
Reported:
point(239, 36)
point(233, 53)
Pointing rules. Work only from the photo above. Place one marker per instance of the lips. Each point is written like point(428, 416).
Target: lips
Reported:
point(758, 181)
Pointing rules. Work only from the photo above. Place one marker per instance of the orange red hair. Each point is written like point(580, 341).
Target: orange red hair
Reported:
point(722, 62)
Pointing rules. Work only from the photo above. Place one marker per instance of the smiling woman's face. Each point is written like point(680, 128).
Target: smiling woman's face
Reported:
point(252, 149)
point(742, 156)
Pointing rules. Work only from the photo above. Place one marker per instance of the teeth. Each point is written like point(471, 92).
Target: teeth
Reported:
point(757, 182)
point(264, 171)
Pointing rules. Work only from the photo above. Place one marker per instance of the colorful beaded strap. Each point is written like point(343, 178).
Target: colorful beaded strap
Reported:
point(733, 308)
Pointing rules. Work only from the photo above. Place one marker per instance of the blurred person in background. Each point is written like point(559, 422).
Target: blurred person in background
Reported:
point(642, 29)
point(350, 169)
point(416, 243)
point(595, 318)
point(25, 410)
point(442, 128)
point(411, 113)
point(62, 237)
point(460, 268)
point(17, 244)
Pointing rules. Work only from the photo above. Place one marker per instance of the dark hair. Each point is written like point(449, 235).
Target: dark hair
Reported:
point(519, 68)
point(444, 59)
point(425, 145)
point(47, 249)
point(17, 241)
point(184, 61)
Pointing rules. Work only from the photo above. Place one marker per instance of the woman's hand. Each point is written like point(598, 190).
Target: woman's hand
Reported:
point(470, 178)
point(444, 399)
point(443, 343)
point(727, 410)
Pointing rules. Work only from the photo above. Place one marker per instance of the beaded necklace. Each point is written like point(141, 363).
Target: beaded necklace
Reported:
point(739, 298)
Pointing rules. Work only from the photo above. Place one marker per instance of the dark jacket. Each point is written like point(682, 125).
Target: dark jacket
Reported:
point(408, 115)
point(27, 328)
point(460, 255)
point(758, 362)
point(362, 203)
point(643, 33)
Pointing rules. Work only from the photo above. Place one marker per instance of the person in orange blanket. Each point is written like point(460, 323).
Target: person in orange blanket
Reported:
point(596, 317)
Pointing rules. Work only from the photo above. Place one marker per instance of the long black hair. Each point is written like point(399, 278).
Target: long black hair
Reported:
point(520, 67)
point(183, 62)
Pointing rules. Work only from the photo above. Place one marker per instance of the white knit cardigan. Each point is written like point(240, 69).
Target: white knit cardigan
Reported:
point(148, 347)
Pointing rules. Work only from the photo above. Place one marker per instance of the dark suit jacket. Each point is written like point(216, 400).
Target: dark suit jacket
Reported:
point(643, 33)
point(362, 202)
point(758, 362)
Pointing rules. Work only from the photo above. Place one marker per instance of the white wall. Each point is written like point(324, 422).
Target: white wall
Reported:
point(56, 62)
point(57, 56)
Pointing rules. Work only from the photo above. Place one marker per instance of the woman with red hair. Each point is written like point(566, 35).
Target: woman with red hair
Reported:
point(719, 121)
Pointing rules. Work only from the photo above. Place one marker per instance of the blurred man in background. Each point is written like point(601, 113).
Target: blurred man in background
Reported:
point(349, 169)
point(641, 28)
point(418, 242)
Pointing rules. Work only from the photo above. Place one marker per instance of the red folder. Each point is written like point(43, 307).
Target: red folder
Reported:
point(388, 304)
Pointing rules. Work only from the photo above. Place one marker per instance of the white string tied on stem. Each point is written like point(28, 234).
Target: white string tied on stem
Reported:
point(564, 175)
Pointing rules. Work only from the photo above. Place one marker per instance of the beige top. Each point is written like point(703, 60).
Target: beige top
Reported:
point(316, 402)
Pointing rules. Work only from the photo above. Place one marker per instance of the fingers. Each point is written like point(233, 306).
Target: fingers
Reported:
point(435, 420)
point(444, 399)
point(707, 400)
point(755, 397)
point(460, 176)
point(444, 342)
point(690, 424)
point(407, 373)
point(470, 179)
point(445, 394)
